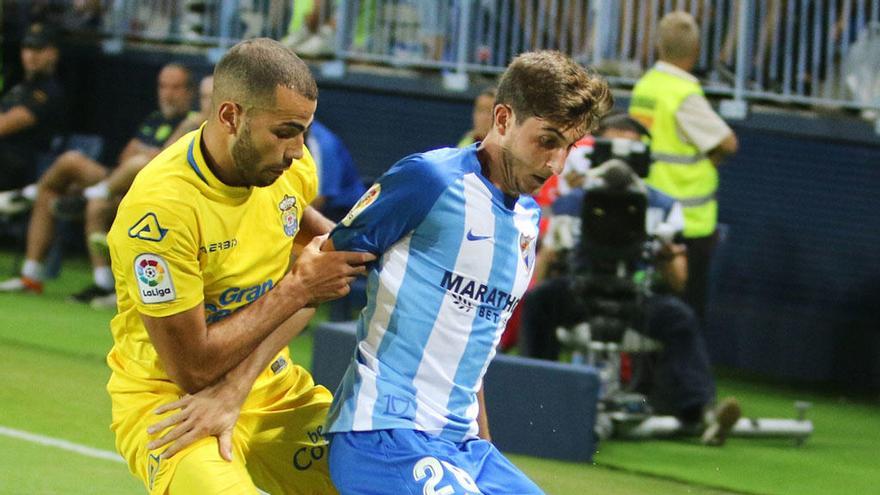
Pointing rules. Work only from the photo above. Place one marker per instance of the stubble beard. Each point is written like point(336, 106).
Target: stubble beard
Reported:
point(245, 158)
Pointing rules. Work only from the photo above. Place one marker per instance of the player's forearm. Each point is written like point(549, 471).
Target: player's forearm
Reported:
point(229, 342)
point(241, 378)
point(313, 224)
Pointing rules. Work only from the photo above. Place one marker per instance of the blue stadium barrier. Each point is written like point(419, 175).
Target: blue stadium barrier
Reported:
point(539, 408)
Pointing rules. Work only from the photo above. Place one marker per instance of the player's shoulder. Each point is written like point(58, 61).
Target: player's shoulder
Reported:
point(167, 174)
point(437, 168)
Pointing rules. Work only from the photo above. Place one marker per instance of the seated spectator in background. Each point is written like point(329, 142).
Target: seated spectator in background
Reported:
point(682, 384)
point(61, 187)
point(482, 118)
point(103, 198)
point(30, 112)
point(338, 178)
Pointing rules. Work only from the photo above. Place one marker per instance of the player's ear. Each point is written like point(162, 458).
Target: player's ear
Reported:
point(503, 116)
point(229, 114)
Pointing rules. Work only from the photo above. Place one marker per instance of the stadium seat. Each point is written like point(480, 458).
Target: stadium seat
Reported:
point(539, 408)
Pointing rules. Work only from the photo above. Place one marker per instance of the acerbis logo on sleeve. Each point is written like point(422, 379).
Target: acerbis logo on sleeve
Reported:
point(153, 278)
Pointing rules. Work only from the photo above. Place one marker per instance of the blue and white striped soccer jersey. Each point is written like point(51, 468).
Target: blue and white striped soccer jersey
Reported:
point(456, 255)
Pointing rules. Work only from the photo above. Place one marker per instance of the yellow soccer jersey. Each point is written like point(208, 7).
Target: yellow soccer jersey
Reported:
point(181, 237)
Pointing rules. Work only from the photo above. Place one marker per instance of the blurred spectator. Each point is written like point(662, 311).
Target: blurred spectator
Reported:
point(689, 141)
point(682, 384)
point(338, 178)
point(59, 190)
point(482, 118)
point(103, 198)
point(30, 112)
point(312, 29)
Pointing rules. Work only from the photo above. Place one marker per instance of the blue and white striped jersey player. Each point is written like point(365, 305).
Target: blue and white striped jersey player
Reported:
point(454, 231)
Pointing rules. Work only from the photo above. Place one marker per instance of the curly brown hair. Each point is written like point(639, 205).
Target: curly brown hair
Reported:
point(551, 86)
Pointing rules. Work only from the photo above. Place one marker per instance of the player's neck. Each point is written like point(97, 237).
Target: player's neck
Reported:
point(489, 154)
point(217, 156)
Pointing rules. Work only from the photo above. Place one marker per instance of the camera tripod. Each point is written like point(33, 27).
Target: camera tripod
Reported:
point(627, 415)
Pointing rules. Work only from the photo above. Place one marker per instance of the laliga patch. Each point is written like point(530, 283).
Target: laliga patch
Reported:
point(366, 200)
point(289, 212)
point(148, 229)
point(153, 278)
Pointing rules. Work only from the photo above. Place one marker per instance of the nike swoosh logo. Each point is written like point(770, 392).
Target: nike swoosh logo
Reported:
point(472, 237)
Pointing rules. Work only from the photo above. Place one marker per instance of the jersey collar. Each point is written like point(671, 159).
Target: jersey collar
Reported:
point(197, 162)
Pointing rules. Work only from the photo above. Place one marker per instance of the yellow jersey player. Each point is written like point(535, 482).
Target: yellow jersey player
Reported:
point(208, 297)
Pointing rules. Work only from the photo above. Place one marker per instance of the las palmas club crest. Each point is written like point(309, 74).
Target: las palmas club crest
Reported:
point(289, 215)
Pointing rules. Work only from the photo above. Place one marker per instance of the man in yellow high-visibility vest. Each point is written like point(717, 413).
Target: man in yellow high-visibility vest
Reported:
point(689, 140)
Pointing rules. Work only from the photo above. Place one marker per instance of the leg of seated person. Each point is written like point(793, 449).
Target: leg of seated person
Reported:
point(683, 382)
point(122, 177)
point(70, 171)
point(98, 217)
point(546, 306)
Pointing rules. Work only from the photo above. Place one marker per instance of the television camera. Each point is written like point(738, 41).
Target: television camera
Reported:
point(613, 276)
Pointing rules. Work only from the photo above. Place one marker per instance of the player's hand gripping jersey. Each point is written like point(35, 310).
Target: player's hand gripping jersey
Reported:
point(456, 256)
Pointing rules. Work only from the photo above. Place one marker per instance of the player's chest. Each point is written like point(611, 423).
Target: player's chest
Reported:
point(247, 244)
point(481, 241)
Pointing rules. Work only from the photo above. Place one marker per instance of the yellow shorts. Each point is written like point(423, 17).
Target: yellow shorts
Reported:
point(278, 444)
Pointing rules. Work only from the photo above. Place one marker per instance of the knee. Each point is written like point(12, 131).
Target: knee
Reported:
point(69, 160)
point(62, 169)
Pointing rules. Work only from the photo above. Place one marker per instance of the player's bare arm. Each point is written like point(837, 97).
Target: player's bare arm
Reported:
point(196, 355)
point(313, 223)
point(215, 409)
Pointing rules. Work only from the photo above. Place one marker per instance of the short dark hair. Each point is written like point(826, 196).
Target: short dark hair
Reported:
point(551, 86)
point(251, 70)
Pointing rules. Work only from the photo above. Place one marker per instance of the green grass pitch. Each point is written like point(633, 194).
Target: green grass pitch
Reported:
point(53, 377)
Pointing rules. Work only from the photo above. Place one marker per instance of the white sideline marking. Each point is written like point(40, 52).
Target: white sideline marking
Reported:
point(61, 444)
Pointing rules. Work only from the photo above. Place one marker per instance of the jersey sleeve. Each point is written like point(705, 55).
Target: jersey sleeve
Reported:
point(393, 206)
point(703, 128)
point(155, 251)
